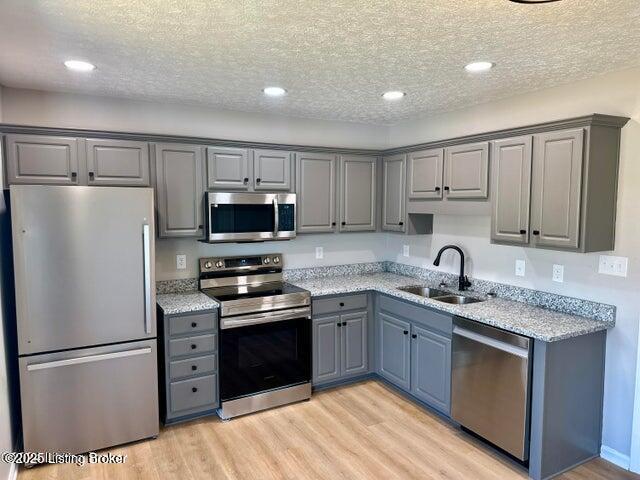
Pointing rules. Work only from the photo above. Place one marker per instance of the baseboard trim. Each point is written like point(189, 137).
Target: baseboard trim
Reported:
point(615, 457)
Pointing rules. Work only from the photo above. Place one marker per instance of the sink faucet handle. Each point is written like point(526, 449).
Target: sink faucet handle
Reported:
point(443, 284)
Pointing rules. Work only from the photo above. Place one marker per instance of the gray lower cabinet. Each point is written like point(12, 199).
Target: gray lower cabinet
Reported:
point(393, 198)
point(431, 367)
point(179, 189)
point(272, 170)
point(511, 189)
point(466, 171)
point(424, 175)
point(228, 168)
point(414, 350)
point(316, 187)
point(340, 339)
point(395, 350)
point(39, 159)
point(117, 162)
point(358, 184)
point(188, 365)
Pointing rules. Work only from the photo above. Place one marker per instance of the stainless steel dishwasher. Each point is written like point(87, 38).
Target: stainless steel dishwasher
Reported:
point(491, 383)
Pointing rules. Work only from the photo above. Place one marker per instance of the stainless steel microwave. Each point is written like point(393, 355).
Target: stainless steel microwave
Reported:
point(250, 217)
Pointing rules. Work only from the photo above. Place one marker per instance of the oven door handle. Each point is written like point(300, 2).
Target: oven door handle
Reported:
point(267, 317)
point(276, 216)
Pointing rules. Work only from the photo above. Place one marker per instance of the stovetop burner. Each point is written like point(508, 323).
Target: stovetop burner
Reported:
point(237, 292)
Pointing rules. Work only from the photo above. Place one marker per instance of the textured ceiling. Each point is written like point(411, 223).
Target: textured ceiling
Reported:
point(334, 58)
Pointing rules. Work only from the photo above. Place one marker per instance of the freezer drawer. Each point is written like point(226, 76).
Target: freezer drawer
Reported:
point(490, 384)
point(84, 400)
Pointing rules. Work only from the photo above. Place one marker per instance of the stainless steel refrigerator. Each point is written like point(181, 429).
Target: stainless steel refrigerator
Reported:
point(85, 301)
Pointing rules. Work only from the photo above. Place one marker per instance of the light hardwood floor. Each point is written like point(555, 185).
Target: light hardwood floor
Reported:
point(361, 431)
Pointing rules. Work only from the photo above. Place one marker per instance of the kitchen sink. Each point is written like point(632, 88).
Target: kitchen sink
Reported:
point(423, 291)
point(458, 299)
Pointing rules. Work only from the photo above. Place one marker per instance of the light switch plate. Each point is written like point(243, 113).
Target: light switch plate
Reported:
point(319, 253)
point(610, 265)
point(181, 262)
point(520, 268)
point(558, 273)
point(405, 250)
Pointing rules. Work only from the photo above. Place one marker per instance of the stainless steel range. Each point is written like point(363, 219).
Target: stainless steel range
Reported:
point(265, 333)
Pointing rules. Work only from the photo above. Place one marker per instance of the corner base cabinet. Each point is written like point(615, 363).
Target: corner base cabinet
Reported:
point(188, 365)
point(341, 338)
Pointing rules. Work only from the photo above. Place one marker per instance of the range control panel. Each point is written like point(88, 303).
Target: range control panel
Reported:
point(221, 264)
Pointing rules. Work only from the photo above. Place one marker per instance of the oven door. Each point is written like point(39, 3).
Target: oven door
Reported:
point(258, 353)
point(233, 217)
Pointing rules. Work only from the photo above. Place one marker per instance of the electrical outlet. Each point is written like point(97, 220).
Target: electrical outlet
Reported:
point(558, 273)
point(520, 268)
point(405, 250)
point(610, 265)
point(181, 262)
point(319, 253)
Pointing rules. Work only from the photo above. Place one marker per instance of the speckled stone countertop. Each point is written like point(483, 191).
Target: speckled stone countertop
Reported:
point(185, 302)
point(517, 317)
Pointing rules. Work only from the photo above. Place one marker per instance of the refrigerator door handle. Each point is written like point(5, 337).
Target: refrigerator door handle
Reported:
point(88, 359)
point(146, 246)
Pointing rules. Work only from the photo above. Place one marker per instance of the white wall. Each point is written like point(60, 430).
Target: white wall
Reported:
point(617, 94)
point(31, 107)
point(6, 440)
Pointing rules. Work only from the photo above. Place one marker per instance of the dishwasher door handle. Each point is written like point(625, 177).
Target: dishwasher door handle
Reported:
point(491, 342)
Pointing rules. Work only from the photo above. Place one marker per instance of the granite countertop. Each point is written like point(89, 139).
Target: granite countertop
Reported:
point(517, 317)
point(185, 302)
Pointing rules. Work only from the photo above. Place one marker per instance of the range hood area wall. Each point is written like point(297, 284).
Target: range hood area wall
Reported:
point(615, 94)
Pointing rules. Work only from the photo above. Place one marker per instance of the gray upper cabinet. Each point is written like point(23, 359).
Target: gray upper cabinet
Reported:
point(42, 160)
point(354, 343)
point(357, 193)
point(179, 189)
point(228, 168)
point(556, 187)
point(393, 199)
point(117, 162)
point(272, 170)
point(316, 187)
point(511, 187)
point(425, 170)
point(394, 350)
point(431, 368)
point(326, 349)
point(466, 171)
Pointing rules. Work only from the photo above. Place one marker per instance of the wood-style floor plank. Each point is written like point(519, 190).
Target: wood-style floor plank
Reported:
point(362, 431)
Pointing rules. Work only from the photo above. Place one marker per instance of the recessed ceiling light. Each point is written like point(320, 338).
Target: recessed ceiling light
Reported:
point(478, 66)
point(79, 65)
point(393, 95)
point(274, 91)
point(534, 1)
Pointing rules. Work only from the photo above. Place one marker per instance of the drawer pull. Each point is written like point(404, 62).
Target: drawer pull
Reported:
point(193, 346)
point(194, 389)
point(194, 367)
point(342, 304)
point(194, 324)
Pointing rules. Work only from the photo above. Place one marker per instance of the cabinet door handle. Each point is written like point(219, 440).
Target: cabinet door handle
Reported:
point(194, 324)
point(193, 346)
point(333, 224)
point(194, 367)
point(344, 223)
point(258, 180)
point(536, 232)
point(339, 324)
point(437, 189)
point(194, 389)
point(400, 223)
point(413, 335)
point(406, 332)
point(342, 304)
point(245, 180)
point(523, 232)
point(91, 175)
point(446, 189)
point(344, 324)
point(200, 227)
point(74, 174)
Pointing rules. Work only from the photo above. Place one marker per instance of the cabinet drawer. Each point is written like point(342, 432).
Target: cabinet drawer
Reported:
point(192, 345)
point(194, 393)
point(192, 366)
point(440, 322)
point(192, 324)
point(337, 304)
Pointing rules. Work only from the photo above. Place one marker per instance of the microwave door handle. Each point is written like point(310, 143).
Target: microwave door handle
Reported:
point(276, 217)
